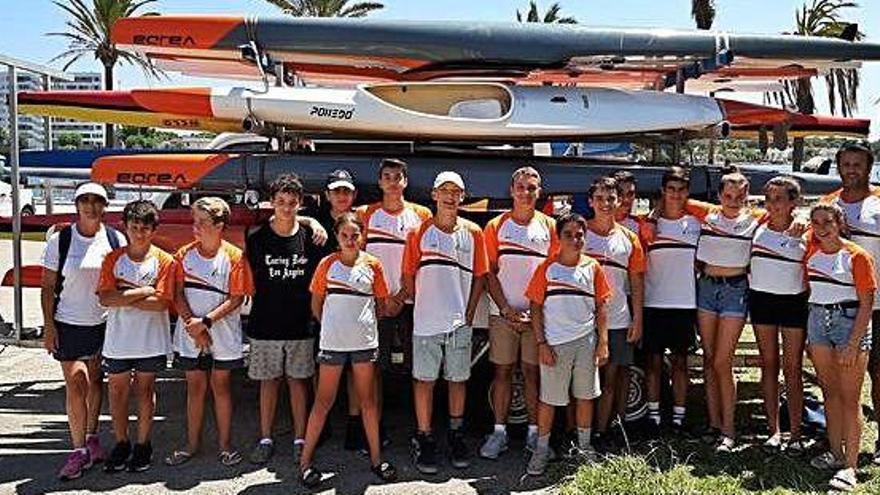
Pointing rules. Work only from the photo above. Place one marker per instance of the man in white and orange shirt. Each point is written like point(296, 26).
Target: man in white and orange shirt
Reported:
point(517, 241)
point(137, 287)
point(444, 270)
point(860, 201)
point(628, 194)
point(388, 223)
point(619, 252)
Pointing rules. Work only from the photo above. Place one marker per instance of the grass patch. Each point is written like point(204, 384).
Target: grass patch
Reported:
point(676, 465)
point(25, 236)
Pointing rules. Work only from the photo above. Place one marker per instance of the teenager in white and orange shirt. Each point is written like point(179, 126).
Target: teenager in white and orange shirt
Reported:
point(137, 287)
point(348, 295)
point(619, 253)
point(568, 296)
point(628, 195)
point(860, 202)
point(388, 223)
point(778, 304)
point(670, 313)
point(212, 280)
point(722, 297)
point(445, 268)
point(517, 241)
point(842, 287)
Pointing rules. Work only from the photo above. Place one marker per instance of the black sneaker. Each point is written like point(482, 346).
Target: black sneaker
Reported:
point(458, 450)
point(141, 457)
point(118, 457)
point(354, 434)
point(423, 449)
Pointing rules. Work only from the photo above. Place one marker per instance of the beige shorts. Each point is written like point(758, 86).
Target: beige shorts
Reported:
point(575, 373)
point(507, 343)
point(271, 359)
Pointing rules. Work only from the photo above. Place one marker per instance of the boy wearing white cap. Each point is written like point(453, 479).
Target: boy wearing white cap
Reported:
point(444, 269)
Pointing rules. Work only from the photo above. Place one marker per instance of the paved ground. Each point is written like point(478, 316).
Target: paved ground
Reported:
point(34, 441)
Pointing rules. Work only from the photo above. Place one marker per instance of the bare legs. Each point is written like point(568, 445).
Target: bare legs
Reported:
point(119, 385)
point(197, 383)
point(83, 396)
point(719, 336)
point(792, 360)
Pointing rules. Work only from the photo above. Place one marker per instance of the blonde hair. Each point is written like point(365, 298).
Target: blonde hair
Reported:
point(216, 208)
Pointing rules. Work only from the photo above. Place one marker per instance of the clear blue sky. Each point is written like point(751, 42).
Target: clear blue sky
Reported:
point(23, 25)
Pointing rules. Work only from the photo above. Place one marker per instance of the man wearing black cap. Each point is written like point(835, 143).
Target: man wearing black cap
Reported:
point(340, 193)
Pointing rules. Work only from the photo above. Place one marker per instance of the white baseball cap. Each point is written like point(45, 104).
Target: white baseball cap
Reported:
point(449, 176)
point(91, 188)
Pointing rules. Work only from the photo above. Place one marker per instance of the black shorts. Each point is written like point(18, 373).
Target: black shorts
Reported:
point(78, 342)
point(874, 357)
point(205, 362)
point(620, 352)
point(784, 310)
point(341, 358)
point(152, 364)
point(395, 341)
point(669, 328)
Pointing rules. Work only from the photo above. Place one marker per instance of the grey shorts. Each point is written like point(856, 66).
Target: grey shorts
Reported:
point(575, 373)
point(152, 364)
point(341, 358)
point(271, 359)
point(620, 352)
point(833, 327)
point(452, 350)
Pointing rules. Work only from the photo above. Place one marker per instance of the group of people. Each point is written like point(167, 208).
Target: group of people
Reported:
point(571, 299)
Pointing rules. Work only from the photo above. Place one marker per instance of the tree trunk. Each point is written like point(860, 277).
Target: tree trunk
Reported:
point(109, 134)
point(797, 154)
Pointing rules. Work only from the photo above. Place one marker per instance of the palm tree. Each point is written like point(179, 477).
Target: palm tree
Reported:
point(326, 8)
point(703, 12)
point(822, 18)
point(550, 17)
point(89, 35)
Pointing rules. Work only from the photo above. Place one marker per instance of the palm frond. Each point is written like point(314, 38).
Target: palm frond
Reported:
point(551, 16)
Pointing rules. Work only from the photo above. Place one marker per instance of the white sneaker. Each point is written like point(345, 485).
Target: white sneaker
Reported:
point(538, 463)
point(844, 480)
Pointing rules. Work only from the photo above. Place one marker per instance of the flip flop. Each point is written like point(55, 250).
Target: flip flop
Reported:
point(385, 471)
point(178, 457)
point(229, 457)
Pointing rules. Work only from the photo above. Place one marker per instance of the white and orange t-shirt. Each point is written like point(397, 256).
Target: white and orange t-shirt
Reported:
point(724, 241)
point(444, 265)
point(619, 254)
point(633, 223)
point(348, 318)
point(863, 220)
point(841, 276)
point(386, 236)
point(670, 279)
point(515, 250)
point(776, 265)
point(134, 333)
point(569, 296)
point(207, 282)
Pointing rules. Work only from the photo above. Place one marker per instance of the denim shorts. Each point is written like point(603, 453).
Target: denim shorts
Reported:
point(451, 350)
point(727, 297)
point(833, 327)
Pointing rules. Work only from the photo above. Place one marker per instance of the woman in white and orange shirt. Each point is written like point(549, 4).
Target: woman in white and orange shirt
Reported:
point(778, 304)
point(348, 296)
point(842, 286)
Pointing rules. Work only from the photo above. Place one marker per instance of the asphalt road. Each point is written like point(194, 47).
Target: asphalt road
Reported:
point(34, 439)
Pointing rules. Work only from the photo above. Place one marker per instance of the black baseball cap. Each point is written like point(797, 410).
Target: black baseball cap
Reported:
point(340, 178)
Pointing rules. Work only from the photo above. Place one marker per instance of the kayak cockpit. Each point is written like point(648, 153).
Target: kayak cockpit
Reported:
point(461, 101)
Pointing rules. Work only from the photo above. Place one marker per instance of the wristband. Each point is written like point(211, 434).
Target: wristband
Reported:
point(207, 321)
